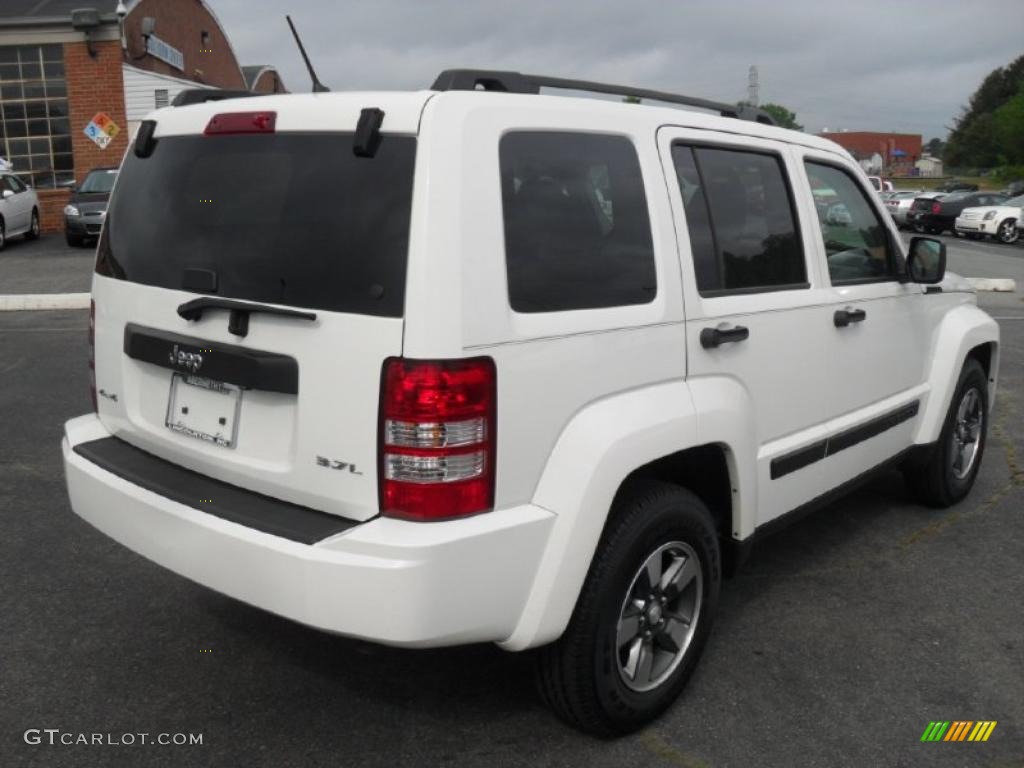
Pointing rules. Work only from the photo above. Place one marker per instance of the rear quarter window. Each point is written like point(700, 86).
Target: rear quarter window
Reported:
point(288, 218)
point(577, 231)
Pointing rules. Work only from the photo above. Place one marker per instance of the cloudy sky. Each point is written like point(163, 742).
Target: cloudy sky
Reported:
point(900, 65)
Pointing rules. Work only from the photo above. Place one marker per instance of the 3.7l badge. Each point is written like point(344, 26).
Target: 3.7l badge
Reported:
point(332, 464)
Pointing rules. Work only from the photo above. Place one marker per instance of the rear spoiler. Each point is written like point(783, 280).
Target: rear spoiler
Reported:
point(203, 95)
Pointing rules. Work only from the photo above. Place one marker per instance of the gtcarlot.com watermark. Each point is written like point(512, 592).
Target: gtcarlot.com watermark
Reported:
point(58, 737)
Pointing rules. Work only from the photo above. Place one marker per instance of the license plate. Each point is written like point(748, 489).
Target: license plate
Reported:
point(205, 409)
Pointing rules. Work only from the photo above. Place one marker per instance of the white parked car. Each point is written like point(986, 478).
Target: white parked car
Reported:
point(19, 209)
point(998, 221)
point(462, 365)
point(881, 185)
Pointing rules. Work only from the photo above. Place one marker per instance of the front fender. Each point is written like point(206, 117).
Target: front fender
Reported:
point(961, 330)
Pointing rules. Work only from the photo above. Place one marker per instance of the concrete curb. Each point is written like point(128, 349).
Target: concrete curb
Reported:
point(993, 284)
point(20, 301)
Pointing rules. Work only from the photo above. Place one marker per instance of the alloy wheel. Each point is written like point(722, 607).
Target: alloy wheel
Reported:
point(659, 616)
point(966, 437)
point(1008, 232)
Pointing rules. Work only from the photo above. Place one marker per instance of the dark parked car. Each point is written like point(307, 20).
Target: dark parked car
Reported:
point(955, 185)
point(87, 206)
point(936, 216)
point(1015, 188)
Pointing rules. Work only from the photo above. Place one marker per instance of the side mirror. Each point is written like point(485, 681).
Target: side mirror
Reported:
point(926, 262)
point(7, 193)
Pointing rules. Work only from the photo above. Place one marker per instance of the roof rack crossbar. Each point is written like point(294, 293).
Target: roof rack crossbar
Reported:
point(515, 82)
point(203, 95)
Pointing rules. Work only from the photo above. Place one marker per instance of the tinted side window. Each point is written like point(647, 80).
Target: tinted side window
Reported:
point(856, 240)
point(16, 184)
point(739, 213)
point(702, 242)
point(577, 233)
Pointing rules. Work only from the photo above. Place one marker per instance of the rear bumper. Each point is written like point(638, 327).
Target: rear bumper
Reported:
point(930, 220)
point(390, 581)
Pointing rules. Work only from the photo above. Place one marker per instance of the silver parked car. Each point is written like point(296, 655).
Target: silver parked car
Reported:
point(19, 209)
point(898, 203)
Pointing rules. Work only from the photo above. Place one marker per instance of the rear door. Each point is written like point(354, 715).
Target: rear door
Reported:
point(756, 310)
point(283, 399)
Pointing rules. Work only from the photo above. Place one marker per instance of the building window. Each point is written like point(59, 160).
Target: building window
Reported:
point(35, 130)
point(160, 98)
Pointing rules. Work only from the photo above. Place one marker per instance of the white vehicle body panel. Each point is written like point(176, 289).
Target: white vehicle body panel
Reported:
point(585, 397)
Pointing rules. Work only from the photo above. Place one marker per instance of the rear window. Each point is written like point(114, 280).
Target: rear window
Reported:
point(294, 219)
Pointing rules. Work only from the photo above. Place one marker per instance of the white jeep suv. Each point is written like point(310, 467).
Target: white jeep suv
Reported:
point(476, 364)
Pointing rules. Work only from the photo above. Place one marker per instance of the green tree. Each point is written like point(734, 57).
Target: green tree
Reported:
point(973, 140)
point(1008, 129)
point(934, 147)
point(782, 116)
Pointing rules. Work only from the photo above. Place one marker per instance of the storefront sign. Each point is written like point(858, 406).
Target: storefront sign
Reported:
point(167, 53)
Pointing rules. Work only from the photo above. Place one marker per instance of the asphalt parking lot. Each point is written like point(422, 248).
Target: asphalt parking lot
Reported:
point(838, 642)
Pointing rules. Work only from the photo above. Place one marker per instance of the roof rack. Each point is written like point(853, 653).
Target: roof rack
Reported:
point(203, 95)
point(516, 82)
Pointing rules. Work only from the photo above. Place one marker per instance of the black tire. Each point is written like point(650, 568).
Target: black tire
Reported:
point(33, 230)
point(1008, 232)
point(3, 235)
point(933, 478)
point(579, 675)
point(75, 241)
point(918, 227)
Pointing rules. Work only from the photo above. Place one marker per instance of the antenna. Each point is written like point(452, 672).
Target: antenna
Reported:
point(318, 87)
point(752, 86)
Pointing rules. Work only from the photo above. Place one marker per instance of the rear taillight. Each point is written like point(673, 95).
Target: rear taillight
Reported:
point(92, 355)
point(241, 122)
point(437, 437)
point(936, 208)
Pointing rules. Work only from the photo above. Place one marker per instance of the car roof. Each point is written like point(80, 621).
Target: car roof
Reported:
point(403, 109)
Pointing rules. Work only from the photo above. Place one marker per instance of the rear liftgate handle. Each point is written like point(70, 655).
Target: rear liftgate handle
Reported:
point(714, 337)
point(843, 317)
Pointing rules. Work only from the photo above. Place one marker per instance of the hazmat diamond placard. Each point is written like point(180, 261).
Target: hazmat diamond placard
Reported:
point(101, 129)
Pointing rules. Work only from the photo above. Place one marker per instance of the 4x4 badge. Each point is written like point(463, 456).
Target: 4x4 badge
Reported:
point(190, 361)
point(332, 464)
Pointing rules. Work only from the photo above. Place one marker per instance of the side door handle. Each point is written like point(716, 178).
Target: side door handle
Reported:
point(714, 337)
point(843, 317)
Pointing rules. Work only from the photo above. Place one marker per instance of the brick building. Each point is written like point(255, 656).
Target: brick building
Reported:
point(899, 151)
point(78, 76)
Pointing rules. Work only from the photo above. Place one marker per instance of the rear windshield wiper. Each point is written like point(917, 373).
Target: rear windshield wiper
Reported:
point(238, 322)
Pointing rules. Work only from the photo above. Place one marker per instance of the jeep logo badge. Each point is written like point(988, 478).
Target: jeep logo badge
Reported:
point(190, 361)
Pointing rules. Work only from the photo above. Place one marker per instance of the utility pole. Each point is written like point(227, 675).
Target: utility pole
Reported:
point(752, 86)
